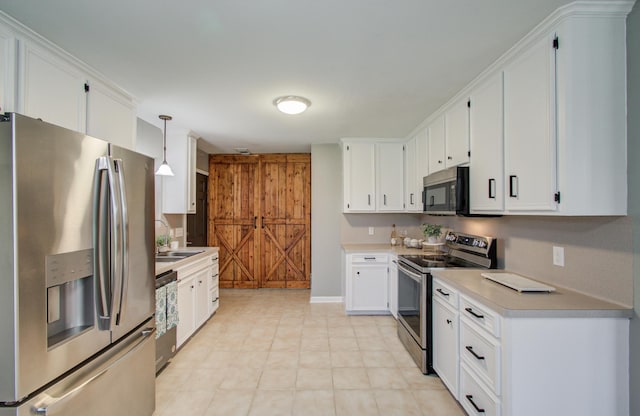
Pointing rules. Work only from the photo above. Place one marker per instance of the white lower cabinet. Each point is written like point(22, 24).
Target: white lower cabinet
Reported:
point(193, 297)
point(529, 365)
point(445, 345)
point(187, 319)
point(214, 288)
point(367, 283)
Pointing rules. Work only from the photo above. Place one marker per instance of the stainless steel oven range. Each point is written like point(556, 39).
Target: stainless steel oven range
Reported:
point(415, 285)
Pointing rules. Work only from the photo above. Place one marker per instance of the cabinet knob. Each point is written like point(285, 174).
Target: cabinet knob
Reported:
point(192, 286)
point(439, 161)
point(449, 158)
point(449, 321)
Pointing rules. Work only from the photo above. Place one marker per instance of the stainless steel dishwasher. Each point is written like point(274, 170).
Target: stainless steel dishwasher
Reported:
point(166, 343)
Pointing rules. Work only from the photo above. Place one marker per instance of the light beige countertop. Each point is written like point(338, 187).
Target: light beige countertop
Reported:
point(162, 267)
point(563, 303)
point(379, 248)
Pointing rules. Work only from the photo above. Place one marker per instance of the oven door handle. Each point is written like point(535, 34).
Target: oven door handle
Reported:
point(415, 276)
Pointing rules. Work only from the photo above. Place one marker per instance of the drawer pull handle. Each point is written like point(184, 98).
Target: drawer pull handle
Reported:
point(442, 292)
point(369, 258)
point(470, 349)
point(475, 406)
point(473, 313)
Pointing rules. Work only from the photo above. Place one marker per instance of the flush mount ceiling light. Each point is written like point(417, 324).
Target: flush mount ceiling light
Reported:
point(164, 169)
point(291, 104)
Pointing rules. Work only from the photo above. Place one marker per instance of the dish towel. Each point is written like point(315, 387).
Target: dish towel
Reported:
point(172, 305)
point(161, 311)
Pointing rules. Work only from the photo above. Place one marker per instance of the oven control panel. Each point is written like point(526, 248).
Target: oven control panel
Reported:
point(455, 238)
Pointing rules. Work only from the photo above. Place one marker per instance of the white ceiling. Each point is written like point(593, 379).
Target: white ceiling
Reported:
point(372, 68)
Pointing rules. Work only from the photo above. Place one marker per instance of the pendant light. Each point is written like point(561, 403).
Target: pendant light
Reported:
point(164, 169)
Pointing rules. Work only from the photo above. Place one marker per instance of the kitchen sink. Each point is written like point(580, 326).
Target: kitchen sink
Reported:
point(168, 259)
point(169, 256)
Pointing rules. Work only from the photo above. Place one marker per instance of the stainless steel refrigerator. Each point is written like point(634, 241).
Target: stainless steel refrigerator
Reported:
point(77, 274)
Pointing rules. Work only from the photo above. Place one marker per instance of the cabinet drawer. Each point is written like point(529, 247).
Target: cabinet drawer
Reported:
point(193, 267)
point(480, 315)
point(474, 397)
point(370, 258)
point(482, 354)
point(445, 293)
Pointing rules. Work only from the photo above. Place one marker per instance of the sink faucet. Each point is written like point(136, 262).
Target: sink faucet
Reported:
point(167, 235)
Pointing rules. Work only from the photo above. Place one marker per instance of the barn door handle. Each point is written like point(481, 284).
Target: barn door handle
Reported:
point(262, 222)
point(255, 222)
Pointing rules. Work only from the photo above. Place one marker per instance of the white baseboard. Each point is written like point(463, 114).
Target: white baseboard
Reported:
point(326, 299)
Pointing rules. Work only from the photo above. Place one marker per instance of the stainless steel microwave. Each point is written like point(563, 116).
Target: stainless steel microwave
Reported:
point(447, 192)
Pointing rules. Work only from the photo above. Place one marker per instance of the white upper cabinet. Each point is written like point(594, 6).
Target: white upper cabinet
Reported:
point(592, 112)
point(179, 191)
point(7, 70)
point(457, 134)
point(51, 89)
point(559, 120)
point(416, 168)
point(40, 80)
point(390, 176)
point(373, 175)
point(436, 134)
point(530, 169)
point(359, 175)
point(110, 115)
point(486, 173)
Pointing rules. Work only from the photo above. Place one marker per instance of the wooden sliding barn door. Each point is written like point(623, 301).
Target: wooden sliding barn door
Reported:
point(260, 217)
point(234, 206)
point(285, 221)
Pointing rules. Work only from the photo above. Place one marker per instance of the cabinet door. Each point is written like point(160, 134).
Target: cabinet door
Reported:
point(445, 346)
point(413, 186)
point(51, 89)
point(110, 116)
point(7, 71)
point(529, 129)
point(457, 134)
point(436, 134)
point(390, 175)
point(359, 176)
point(369, 288)
point(186, 310)
point(201, 282)
point(486, 189)
point(179, 191)
point(422, 165)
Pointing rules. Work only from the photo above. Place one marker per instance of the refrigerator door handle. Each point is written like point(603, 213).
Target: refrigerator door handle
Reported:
point(124, 241)
point(107, 230)
point(46, 407)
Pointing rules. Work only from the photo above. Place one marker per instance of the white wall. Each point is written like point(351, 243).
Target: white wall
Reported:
point(633, 152)
point(326, 206)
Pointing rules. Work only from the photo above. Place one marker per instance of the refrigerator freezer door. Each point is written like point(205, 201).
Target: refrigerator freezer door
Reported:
point(48, 323)
point(138, 302)
point(120, 382)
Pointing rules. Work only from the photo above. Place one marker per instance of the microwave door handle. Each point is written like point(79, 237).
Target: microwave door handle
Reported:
point(432, 201)
point(124, 241)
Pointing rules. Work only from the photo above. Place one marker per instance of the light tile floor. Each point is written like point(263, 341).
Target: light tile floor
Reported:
point(271, 352)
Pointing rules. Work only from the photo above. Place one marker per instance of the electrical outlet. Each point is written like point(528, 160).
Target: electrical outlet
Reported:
point(179, 231)
point(558, 256)
point(371, 231)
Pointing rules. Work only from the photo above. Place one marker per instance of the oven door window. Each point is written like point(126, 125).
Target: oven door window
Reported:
point(409, 302)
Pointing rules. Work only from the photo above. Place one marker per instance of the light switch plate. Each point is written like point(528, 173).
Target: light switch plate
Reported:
point(558, 256)
point(371, 231)
point(179, 232)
